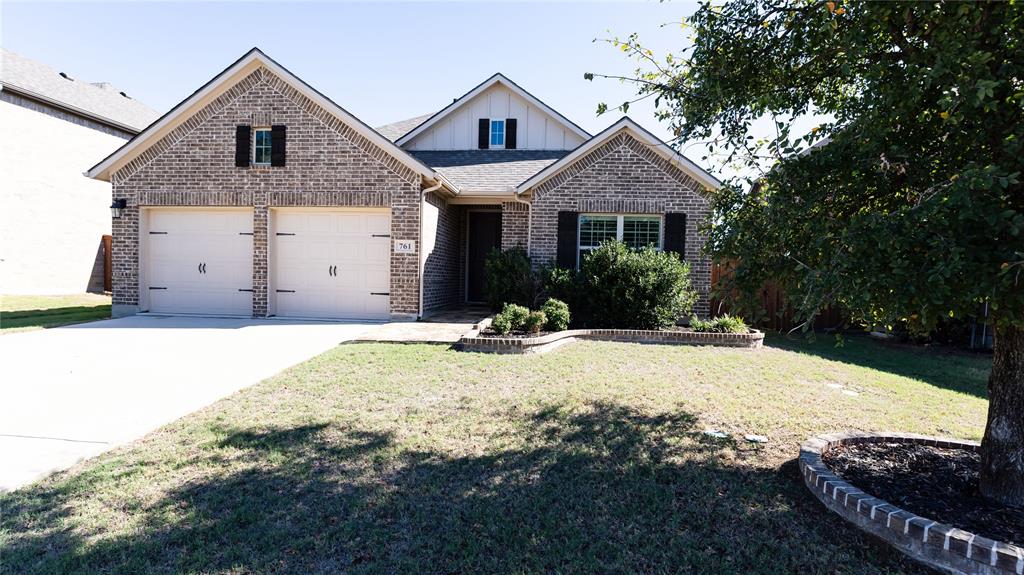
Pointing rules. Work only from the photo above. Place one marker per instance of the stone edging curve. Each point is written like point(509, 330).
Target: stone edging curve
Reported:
point(935, 544)
point(523, 345)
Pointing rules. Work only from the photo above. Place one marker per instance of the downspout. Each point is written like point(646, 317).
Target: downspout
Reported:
point(423, 258)
point(529, 219)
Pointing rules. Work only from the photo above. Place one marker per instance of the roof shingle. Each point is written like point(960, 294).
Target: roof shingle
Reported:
point(398, 129)
point(100, 99)
point(488, 170)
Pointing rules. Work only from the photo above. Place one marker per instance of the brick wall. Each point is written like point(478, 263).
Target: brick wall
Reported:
point(514, 221)
point(328, 164)
point(623, 176)
point(442, 284)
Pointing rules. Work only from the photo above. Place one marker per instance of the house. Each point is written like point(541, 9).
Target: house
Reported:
point(259, 196)
point(52, 220)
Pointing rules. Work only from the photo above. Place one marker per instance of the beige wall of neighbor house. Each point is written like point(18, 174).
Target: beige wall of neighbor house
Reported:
point(536, 129)
point(52, 218)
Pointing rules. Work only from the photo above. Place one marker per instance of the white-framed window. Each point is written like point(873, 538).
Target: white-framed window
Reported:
point(261, 147)
point(636, 231)
point(497, 133)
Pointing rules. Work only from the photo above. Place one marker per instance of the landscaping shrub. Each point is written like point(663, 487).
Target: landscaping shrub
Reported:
point(534, 322)
point(721, 324)
point(508, 278)
point(634, 289)
point(557, 314)
point(512, 318)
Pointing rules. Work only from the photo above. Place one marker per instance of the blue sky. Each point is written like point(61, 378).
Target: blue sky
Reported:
point(382, 61)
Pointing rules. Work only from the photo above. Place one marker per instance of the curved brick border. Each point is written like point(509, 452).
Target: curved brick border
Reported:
point(937, 545)
point(521, 345)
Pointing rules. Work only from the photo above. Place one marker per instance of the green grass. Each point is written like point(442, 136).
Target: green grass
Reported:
point(377, 458)
point(28, 312)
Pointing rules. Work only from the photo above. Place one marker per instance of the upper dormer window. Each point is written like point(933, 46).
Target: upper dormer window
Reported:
point(497, 133)
point(261, 149)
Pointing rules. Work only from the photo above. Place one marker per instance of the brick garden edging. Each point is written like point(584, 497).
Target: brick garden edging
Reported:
point(472, 341)
point(937, 545)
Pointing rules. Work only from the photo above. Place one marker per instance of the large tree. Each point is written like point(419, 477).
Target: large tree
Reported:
point(906, 204)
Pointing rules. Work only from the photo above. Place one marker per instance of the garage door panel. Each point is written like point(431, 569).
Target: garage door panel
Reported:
point(331, 264)
point(202, 259)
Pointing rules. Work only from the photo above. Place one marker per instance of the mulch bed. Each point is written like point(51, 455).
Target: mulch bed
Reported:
point(936, 483)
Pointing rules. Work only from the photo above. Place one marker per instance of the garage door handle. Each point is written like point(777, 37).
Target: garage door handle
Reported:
point(380, 236)
point(245, 233)
point(285, 291)
point(243, 289)
point(380, 293)
point(158, 233)
point(204, 268)
point(151, 287)
point(284, 234)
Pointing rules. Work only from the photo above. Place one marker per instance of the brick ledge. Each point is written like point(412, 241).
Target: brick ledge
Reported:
point(935, 544)
point(472, 341)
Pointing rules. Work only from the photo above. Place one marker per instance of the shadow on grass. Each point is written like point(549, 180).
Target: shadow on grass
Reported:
point(53, 317)
point(963, 372)
point(605, 490)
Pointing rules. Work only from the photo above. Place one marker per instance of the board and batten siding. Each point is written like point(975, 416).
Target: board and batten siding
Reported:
point(536, 130)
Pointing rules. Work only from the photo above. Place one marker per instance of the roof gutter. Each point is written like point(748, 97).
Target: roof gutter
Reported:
point(26, 93)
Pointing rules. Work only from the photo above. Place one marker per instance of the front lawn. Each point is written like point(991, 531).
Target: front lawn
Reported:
point(28, 312)
point(378, 458)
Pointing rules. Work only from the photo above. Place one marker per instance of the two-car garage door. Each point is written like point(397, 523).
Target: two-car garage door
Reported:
point(323, 263)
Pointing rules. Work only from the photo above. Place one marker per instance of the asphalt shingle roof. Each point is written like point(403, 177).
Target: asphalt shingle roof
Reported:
point(488, 170)
point(100, 99)
point(398, 129)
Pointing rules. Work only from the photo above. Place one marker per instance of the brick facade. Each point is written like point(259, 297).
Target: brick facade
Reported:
point(515, 217)
point(624, 176)
point(328, 164)
point(442, 279)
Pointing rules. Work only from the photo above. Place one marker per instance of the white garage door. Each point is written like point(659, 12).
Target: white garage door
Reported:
point(332, 264)
point(199, 261)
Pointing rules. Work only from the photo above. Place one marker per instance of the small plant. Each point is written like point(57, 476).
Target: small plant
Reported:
point(557, 313)
point(721, 324)
point(508, 278)
point(535, 321)
point(512, 318)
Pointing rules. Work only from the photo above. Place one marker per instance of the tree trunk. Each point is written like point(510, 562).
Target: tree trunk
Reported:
point(1002, 449)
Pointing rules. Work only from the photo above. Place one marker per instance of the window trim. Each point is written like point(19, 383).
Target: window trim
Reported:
point(269, 146)
point(620, 219)
point(490, 134)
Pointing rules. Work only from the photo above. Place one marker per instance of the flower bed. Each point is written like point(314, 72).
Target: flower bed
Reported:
point(479, 340)
point(939, 545)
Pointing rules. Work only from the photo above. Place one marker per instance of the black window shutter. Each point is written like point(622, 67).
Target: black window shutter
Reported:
point(484, 134)
point(510, 134)
point(675, 234)
point(567, 232)
point(277, 145)
point(242, 146)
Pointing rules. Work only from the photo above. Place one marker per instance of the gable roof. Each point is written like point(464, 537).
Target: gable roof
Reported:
point(252, 60)
point(488, 171)
point(626, 124)
point(498, 78)
point(396, 130)
point(97, 101)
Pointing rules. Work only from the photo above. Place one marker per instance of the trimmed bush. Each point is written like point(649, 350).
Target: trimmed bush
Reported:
point(557, 314)
point(721, 324)
point(634, 289)
point(511, 318)
point(534, 322)
point(508, 278)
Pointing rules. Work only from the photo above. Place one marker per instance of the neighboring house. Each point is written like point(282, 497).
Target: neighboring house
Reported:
point(52, 219)
point(259, 196)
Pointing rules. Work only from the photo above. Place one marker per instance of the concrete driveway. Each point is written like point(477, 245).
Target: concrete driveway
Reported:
point(70, 393)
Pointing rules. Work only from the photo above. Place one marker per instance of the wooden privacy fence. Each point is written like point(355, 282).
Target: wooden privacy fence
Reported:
point(778, 315)
point(108, 242)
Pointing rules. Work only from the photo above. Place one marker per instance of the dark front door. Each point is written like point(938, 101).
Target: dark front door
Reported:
point(484, 236)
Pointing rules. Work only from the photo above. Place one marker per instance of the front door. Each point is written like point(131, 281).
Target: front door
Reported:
point(484, 236)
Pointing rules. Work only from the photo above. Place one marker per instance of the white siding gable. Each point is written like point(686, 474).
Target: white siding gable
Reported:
point(535, 130)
